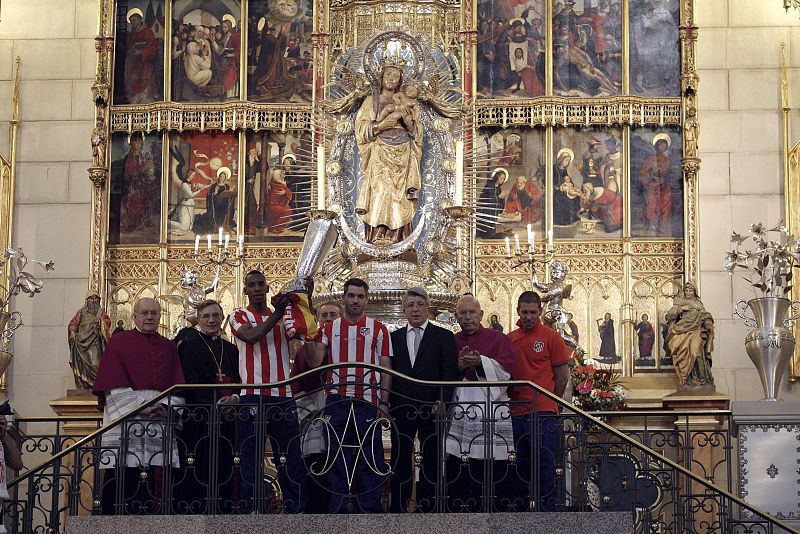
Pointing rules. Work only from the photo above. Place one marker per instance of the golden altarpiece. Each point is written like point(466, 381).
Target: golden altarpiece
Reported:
point(578, 121)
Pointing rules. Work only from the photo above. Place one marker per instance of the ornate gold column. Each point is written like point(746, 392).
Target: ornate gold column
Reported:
point(691, 129)
point(101, 145)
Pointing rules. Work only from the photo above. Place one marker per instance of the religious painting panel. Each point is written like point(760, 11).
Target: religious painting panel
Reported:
point(203, 171)
point(139, 52)
point(655, 60)
point(604, 330)
point(656, 183)
point(277, 191)
point(205, 50)
point(123, 295)
point(576, 307)
point(588, 184)
point(652, 297)
point(645, 316)
point(511, 48)
point(134, 209)
point(279, 53)
point(587, 48)
point(511, 182)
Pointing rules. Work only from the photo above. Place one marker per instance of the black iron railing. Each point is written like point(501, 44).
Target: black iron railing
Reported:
point(201, 457)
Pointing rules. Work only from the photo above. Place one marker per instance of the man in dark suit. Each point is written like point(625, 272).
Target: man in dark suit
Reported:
point(422, 351)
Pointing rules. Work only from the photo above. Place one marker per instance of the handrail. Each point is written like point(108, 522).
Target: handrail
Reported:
point(561, 402)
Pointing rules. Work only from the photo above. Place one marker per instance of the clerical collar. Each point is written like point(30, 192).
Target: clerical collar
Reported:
point(213, 338)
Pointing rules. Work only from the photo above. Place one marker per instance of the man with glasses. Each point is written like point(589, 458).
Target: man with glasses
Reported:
point(206, 358)
point(424, 351)
point(137, 365)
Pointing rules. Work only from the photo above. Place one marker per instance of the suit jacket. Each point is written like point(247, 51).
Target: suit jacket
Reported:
point(436, 359)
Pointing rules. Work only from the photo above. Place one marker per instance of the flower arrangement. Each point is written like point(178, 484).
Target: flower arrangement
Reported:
point(770, 263)
point(595, 388)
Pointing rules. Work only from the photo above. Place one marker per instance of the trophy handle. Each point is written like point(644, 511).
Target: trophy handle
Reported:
point(789, 321)
point(741, 311)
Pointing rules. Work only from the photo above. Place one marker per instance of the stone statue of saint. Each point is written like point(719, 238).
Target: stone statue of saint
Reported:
point(389, 138)
point(690, 339)
point(553, 295)
point(88, 333)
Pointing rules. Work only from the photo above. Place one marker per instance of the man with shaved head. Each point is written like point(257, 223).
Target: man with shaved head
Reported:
point(137, 365)
point(484, 355)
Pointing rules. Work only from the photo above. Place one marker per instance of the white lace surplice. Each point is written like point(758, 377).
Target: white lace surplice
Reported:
point(145, 444)
point(466, 434)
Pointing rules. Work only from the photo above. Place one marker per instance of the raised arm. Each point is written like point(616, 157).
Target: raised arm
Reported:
point(251, 334)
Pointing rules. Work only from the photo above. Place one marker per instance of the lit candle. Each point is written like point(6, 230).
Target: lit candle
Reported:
point(533, 242)
point(516, 244)
point(320, 177)
point(458, 200)
point(227, 240)
point(241, 244)
point(196, 244)
point(219, 241)
point(209, 242)
point(550, 239)
point(530, 239)
point(508, 247)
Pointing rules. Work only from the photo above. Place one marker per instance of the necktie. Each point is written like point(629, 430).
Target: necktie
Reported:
point(417, 338)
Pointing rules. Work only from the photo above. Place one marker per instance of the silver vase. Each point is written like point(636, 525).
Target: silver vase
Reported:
point(770, 344)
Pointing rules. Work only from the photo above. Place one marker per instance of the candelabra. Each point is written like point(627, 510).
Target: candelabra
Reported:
point(222, 254)
point(527, 255)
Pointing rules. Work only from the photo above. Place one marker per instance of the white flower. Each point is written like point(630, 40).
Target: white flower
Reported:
point(593, 393)
point(621, 392)
point(590, 361)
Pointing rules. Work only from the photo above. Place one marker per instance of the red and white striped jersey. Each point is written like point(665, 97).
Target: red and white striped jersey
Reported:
point(263, 362)
point(363, 342)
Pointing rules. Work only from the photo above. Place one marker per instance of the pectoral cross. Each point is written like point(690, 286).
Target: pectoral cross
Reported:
point(220, 377)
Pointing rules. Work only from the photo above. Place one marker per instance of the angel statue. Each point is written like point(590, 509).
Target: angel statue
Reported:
point(553, 295)
point(193, 295)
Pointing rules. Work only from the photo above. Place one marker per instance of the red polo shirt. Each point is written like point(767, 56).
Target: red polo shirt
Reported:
point(538, 351)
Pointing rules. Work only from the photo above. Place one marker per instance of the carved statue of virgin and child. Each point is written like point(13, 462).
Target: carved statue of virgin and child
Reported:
point(389, 137)
point(391, 164)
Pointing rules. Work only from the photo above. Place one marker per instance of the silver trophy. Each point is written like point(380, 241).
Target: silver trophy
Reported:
point(318, 242)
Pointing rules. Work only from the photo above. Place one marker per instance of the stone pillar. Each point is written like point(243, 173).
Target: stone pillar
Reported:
point(698, 449)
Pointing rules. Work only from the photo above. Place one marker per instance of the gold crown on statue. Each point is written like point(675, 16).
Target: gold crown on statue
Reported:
point(393, 60)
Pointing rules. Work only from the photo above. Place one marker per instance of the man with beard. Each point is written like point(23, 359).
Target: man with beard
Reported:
point(357, 400)
point(591, 164)
point(140, 60)
point(88, 333)
point(227, 50)
point(541, 357)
